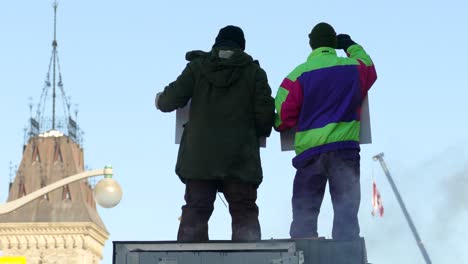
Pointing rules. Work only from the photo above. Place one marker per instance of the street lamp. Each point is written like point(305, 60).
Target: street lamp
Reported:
point(107, 192)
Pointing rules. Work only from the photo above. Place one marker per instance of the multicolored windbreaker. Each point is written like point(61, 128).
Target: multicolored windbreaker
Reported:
point(322, 100)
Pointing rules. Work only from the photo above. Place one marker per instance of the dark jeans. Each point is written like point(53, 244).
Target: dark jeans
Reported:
point(200, 196)
point(341, 169)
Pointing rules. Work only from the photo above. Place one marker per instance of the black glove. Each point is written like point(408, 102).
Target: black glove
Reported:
point(344, 41)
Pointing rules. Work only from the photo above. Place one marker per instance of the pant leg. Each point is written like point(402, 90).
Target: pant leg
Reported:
point(242, 198)
point(308, 191)
point(345, 192)
point(199, 196)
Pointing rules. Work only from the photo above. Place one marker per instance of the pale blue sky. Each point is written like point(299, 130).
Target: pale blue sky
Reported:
point(115, 56)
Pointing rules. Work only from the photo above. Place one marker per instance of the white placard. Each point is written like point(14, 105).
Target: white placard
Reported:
point(182, 117)
point(287, 139)
point(365, 136)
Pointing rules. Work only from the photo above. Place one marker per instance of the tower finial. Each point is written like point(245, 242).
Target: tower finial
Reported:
point(54, 55)
point(55, 6)
point(51, 91)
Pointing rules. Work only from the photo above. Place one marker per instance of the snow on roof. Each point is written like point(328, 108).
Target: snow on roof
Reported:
point(51, 133)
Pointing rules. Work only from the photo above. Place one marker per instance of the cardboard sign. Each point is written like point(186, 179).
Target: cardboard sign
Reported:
point(182, 117)
point(287, 139)
point(365, 136)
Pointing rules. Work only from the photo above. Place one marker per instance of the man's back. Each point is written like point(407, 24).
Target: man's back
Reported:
point(322, 98)
point(331, 91)
point(222, 127)
point(230, 109)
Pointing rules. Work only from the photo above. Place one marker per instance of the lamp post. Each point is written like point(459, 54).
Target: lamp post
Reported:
point(107, 192)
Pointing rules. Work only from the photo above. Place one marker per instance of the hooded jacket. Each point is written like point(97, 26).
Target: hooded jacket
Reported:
point(230, 108)
point(322, 98)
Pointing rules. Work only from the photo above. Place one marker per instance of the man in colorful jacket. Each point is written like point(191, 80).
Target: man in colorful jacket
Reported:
point(321, 99)
point(231, 108)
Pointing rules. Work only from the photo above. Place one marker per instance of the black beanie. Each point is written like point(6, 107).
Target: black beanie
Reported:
point(230, 36)
point(322, 35)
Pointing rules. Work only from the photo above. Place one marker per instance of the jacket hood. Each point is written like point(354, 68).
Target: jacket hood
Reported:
point(221, 66)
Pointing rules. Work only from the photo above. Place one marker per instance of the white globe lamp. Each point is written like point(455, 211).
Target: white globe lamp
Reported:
point(107, 191)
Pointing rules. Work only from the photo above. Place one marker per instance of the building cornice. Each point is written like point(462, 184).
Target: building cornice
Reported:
point(68, 235)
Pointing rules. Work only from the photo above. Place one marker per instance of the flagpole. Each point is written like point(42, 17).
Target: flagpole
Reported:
point(379, 157)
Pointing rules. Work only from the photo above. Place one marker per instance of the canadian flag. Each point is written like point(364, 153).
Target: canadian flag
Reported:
point(377, 206)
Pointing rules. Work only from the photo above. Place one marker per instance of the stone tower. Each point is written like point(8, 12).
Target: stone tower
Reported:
point(63, 226)
point(60, 227)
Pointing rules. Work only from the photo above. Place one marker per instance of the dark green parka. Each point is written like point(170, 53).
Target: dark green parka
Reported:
point(231, 107)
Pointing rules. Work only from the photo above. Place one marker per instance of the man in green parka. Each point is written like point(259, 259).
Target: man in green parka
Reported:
point(230, 109)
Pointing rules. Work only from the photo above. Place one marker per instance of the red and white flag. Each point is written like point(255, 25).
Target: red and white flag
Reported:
point(377, 206)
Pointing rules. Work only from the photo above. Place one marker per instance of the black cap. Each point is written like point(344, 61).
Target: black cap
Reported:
point(230, 36)
point(322, 35)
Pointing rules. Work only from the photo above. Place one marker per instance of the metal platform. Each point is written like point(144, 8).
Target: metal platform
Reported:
point(282, 251)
